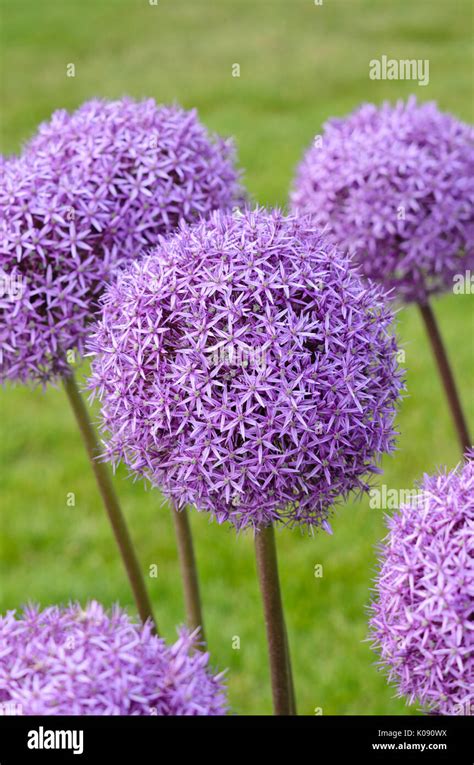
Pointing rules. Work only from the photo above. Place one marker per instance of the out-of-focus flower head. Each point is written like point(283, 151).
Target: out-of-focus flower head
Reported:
point(422, 618)
point(74, 661)
point(154, 165)
point(395, 186)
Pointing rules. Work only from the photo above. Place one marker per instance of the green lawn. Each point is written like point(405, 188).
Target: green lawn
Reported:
point(300, 64)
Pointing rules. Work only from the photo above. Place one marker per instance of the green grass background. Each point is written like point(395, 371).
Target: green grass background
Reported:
point(300, 63)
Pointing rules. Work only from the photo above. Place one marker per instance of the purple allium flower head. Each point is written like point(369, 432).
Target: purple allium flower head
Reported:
point(154, 165)
point(422, 620)
point(92, 190)
point(395, 185)
point(245, 369)
point(54, 259)
point(74, 661)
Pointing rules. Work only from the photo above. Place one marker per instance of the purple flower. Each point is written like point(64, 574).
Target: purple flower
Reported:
point(422, 620)
point(70, 661)
point(245, 369)
point(54, 261)
point(154, 165)
point(91, 190)
point(395, 185)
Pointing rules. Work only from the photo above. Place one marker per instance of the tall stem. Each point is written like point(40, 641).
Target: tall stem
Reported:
point(446, 375)
point(110, 500)
point(187, 562)
point(267, 570)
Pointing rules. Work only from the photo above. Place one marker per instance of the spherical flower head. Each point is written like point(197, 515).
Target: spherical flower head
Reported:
point(154, 165)
point(422, 618)
point(55, 256)
point(395, 185)
point(91, 191)
point(74, 661)
point(244, 368)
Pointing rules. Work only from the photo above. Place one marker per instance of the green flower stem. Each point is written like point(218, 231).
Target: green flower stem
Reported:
point(109, 498)
point(189, 575)
point(446, 374)
point(280, 668)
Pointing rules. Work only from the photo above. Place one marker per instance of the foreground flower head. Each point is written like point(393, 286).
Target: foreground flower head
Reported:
point(70, 661)
point(245, 369)
point(395, 185)
point(91, 190)
point(422, 620)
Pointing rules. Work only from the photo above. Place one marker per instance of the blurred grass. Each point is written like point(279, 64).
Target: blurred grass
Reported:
point(300, 64)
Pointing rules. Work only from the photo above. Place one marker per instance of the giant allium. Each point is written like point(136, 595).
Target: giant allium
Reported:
point(395, 185)
point(422, 621)
point(245, 369)
point(92, 190)
point(154, 165)
point(70, 661)
point(55, 255)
